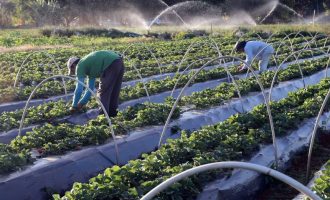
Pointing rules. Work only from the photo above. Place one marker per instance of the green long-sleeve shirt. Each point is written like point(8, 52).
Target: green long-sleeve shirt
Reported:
point(91, 66)
point(95, 63)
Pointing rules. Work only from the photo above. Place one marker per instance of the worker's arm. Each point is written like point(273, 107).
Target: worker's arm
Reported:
point(87, 95)
point(78, 91)
point(249, 57)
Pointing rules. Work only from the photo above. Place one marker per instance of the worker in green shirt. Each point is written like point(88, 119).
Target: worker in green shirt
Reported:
point(106, 65)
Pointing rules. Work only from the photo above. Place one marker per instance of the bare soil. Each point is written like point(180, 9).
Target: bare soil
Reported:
point(277, 190)
point(31, 48)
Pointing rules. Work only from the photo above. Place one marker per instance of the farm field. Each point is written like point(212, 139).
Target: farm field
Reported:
point(184, 103)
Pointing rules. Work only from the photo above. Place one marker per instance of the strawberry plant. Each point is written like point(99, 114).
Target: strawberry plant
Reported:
point(322, 184)
point(234, 139)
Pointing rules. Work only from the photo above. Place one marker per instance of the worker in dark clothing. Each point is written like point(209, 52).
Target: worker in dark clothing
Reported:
point(106, 65)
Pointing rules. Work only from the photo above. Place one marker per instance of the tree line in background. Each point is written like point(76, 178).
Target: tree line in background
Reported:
point(91, 12)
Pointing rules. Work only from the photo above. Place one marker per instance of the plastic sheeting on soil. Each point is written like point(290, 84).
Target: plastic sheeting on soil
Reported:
point(60, 172)
point(242, 184)
point(311, 183)
point(5, 137)
point(5, 107)
point(208, 116)
point(20, 104)
point(159, 77)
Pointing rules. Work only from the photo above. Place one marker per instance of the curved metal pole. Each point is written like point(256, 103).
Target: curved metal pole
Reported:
point(91, 91)
point(267, 106)
point(230, 164)
point(299, 64)
point(310, 150)
point(229, 76)
point(262, 91)
point(179, 67)
point(326, 41)
point(279, 67)
point(202, 59)
point(326, 68)
point(186, 53)
point(270, 37)
point(288, 36)
point(140, 77)
point(51, 57)
point(148, 49)
point(260, 38)
point(181, 74)
point(304, 38)
point(214, 45)
point(297, 56)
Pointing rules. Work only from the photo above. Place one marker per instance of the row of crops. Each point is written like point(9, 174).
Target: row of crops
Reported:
point(322, 184)
point(216, 96)
point(168, 60)
point(236, 138)
point(233, 139)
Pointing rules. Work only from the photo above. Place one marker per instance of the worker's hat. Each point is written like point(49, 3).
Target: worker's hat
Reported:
point(72, 61)
point(239, 45)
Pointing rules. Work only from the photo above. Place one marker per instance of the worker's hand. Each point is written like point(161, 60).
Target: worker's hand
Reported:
point(80, 106)
point(73, 110)
point(241, 68)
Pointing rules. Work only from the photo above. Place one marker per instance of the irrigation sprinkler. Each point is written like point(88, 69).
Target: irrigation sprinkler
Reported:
point(231, 164)
point(48, 55)
point(170, 8)
point(312, 140)
point(262, 91)
point(84, 85)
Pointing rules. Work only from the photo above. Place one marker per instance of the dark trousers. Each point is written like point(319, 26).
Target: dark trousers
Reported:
point(110, 85)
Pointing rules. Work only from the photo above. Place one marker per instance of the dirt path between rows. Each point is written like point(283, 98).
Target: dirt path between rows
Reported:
point(32, 48)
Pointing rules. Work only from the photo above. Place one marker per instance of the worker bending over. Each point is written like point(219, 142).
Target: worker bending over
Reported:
point(106, 65)
point(255, 50)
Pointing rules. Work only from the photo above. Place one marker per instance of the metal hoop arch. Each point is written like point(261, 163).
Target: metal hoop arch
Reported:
point(91, 91)
point(279, 67)
point(51, 57)
point(312, 140)
point(262, 91)
point(148, 49)
point(140, 77)
point(231, 164)
point(231, 77)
